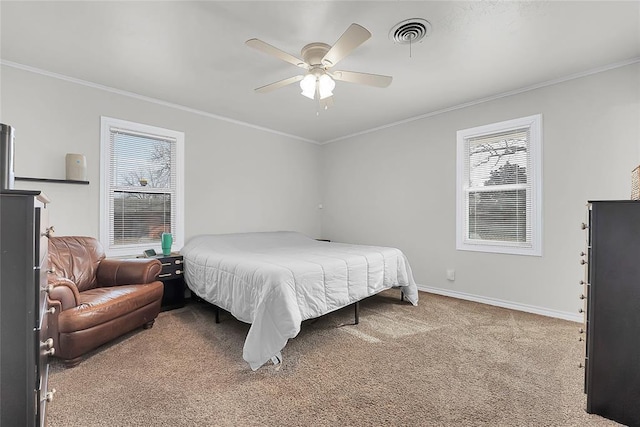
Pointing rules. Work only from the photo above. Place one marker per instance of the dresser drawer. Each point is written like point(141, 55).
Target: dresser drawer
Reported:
point(44, 231)
point(43, 396)
point(45, 349)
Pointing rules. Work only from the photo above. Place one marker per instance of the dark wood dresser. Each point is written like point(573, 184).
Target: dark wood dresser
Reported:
point(612, 303)
point(24, 343)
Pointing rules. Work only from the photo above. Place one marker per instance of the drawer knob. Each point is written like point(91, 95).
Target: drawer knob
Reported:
point(583, 262)
point(50, 352)
point(51, 270)
point(51, 310)
point(582, 254)
point(49, 232)
point(584, 226)
point(580, 339)
point(581, 331)
point(48, 288)
point(582, 296)
point(580, 365)
point(581, 311)
point(48, 343)
point(582, 282)
point(178, 271)
point(49, 395)
point(178, 261)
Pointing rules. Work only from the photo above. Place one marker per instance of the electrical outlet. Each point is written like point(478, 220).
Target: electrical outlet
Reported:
point(451, 274)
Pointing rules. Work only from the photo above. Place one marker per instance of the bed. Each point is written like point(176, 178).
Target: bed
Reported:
point(275, 280)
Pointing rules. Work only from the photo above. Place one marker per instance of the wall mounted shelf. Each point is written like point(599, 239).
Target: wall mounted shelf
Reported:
point(59, 181)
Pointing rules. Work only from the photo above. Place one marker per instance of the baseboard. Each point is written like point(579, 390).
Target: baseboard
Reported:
point(504, 304)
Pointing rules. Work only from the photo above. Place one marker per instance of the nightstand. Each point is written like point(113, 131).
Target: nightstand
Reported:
point(172, 277)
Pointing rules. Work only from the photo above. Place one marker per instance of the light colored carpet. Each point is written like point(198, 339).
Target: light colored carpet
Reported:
point(445, 362)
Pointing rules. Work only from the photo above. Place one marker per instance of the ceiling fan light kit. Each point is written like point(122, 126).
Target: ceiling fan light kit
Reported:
point(325, 86)
point(317, 84)
point(317, 58)
point(308, 86)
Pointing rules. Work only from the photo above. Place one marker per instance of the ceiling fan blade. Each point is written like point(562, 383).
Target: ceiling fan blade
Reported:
point(376, 80)
point(274, 51)
point(349, 40)
point(279, 84)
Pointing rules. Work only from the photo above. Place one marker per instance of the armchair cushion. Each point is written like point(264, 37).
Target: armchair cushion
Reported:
point(100, 305)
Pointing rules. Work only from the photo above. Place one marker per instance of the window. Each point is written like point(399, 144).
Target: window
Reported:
point(499, 187)
point(141, 193)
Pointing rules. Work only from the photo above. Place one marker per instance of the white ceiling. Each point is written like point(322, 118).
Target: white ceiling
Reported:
point(193, 53)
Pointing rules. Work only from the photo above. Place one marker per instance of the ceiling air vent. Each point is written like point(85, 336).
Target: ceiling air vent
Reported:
point(410, 31)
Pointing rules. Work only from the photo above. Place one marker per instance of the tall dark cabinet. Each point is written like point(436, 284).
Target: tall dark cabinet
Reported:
point(24, 343)
point(612, 362)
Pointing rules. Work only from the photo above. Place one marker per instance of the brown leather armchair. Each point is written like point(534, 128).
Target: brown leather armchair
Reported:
point(97, 299)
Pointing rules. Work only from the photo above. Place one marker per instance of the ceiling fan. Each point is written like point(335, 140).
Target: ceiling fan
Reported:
point(318, 59)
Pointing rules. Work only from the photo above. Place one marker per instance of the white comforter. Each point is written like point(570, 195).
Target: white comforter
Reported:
point(276, 280)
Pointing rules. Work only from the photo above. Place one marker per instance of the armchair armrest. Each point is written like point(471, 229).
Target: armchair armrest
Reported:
point(114, 272)
point(64, 291)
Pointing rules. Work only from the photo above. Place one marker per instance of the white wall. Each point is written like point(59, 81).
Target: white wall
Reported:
point(393, 187)
point(237, 178)
point(396, 187)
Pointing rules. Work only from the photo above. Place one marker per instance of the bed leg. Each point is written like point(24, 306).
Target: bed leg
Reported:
point(357, 309)
point(402, 296)
point(217, 312)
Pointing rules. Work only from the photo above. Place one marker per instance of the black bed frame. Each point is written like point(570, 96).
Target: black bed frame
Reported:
point(356, 306)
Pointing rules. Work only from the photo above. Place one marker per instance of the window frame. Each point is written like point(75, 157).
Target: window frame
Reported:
point(106, 124)
point(534, 176)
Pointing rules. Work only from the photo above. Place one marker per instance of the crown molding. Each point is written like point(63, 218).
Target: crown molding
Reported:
point(147, 99)
point(299, 138)
point(492, 98)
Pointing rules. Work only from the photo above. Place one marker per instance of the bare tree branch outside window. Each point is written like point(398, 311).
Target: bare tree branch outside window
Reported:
point(499, 215)
point(142, 210)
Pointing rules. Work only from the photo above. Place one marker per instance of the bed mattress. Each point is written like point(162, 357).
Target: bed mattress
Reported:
point(276, 280)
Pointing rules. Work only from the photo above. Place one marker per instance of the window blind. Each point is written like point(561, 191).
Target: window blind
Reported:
point(498, 188)
point(142, 187)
